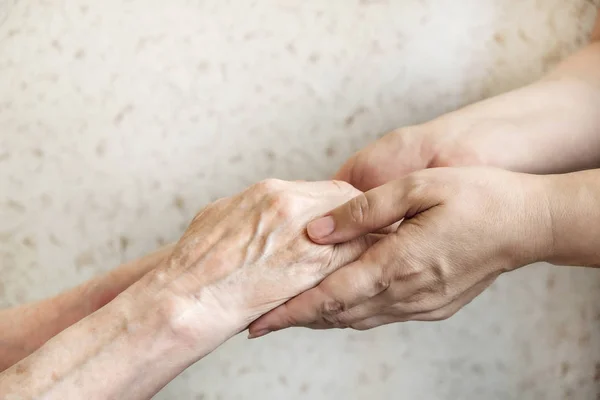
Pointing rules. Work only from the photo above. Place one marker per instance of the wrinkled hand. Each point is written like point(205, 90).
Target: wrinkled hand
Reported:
point(245, 255)
point(461, 228)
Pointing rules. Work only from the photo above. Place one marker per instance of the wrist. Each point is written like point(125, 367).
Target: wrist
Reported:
point(539, 218)
point(525, 130)
point(552, 188)
point(526, 234)
point(457, 140)
point(129, 340)
point(192, 323)
point(572, 203)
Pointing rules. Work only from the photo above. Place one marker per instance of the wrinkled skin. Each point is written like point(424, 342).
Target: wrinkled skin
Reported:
point(245, 255)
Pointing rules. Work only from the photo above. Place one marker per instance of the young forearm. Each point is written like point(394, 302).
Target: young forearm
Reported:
point(567, 137)
point(574, 218)
point(550, 126)
point(25, 328)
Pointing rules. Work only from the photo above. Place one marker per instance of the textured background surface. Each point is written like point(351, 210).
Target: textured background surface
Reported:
point(120, 119)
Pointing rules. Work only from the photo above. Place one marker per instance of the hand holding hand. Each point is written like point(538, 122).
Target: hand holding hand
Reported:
point(461, 228)
point(245, 255)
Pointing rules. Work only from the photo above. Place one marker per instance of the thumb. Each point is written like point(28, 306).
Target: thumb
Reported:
point(374, 210)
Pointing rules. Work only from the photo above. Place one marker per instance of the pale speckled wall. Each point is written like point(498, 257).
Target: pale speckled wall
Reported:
point(120, 119)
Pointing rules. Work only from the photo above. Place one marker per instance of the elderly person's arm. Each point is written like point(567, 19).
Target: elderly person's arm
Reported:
point(25, 328)
point(240, 258)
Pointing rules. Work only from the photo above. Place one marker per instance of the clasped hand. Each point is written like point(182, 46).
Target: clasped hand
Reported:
point(417, 248)
point(245, 255)
point(452, 231)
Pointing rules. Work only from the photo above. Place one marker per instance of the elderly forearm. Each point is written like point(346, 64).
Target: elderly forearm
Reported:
point(25, 328)
point(221, 276)
point(550, 126)
point(126, 350)
point(573, 207)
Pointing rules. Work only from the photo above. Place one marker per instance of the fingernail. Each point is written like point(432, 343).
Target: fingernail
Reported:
point(259, 333)
point(322, 227)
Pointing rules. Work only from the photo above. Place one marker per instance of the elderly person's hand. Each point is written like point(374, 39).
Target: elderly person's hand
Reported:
point(240, 257)
point(245, 255)
point(461, 228)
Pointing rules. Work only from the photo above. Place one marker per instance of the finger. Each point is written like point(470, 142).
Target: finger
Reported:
point(340, 291)
point(351, 285)
point(380, 320)
point(374, 322)
point(380, 303)
point(432, 308)
point(373, 210)
point(437, 314)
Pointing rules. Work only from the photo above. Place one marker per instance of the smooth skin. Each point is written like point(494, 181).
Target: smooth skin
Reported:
point(462, 227)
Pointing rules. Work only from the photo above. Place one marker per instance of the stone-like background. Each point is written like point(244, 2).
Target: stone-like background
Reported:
point(120, 119)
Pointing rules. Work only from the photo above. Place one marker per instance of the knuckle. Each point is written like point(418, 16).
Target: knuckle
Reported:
point(374, 278)
point(282, 203)
point(335, 321)
point(332, 314)
point(358, 209)
point(333, 307)
point(267, 186)
point(381, 284)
